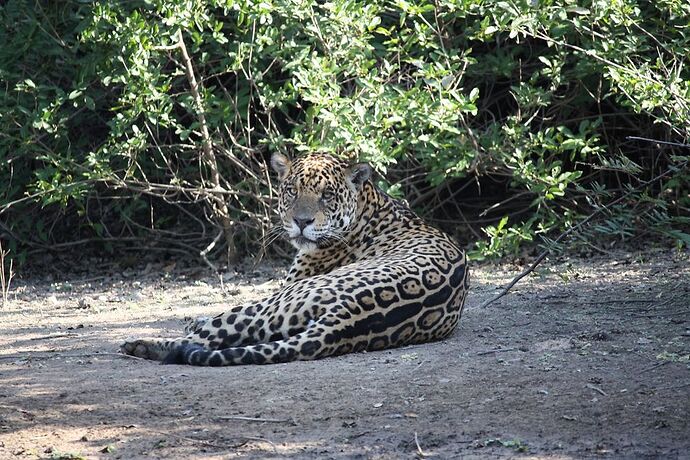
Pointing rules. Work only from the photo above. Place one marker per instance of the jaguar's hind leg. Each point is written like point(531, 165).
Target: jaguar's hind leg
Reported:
point(225, 330)
point(318, 340)
point(272, 319)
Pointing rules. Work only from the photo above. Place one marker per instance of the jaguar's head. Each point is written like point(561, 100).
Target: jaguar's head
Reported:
point(318, 198)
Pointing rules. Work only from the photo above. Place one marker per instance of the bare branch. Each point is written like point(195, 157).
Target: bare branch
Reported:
point(220, 207)
point(598, 211)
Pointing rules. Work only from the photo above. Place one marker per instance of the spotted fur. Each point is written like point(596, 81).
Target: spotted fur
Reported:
point(368, 275)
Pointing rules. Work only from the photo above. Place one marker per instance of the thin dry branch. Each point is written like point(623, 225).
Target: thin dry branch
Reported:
point(420, 452)
point(496, 350)
point(598, 211)
point(674, 144)
point(5, 276)
point(242, 418)
point(680, 98)
point(208, 249)
point(244, 439)
point(220, 208)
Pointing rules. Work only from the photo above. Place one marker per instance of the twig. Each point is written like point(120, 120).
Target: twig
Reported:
point(597, 389)
point(675, 144)
point(497, 350)
point(205, 252)
point(203, 442)
point(658, 315)
point(119, 355)
point(663, 363)
point(544, 253)
point(254, 419)
point(681, 99)
point(605, 301)
point(220, 208)
point(5, 278)
point(54, 336)
point(420, 452)
point(7, 206)
point(672, 387)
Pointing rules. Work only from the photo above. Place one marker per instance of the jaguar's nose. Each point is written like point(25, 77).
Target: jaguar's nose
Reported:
point(302, 223)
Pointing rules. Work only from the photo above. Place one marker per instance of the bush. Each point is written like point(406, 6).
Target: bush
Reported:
point(510, 116)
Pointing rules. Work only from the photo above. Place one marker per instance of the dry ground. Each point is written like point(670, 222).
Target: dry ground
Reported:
point(587, 358)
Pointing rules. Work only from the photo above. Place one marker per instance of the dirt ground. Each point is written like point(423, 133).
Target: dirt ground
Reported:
point(586, 358)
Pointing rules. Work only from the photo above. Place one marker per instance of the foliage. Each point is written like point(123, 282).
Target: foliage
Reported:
point(512, 113)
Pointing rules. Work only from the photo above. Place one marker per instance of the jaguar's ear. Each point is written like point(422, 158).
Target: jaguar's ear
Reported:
point(280, 164)
point(359, 173)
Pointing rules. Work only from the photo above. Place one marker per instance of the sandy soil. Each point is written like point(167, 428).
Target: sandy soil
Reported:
point(587, 358)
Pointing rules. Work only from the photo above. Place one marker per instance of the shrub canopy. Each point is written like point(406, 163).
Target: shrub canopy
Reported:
point(512, 117)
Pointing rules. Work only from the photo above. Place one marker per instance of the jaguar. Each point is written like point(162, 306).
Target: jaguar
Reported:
point(368, 274)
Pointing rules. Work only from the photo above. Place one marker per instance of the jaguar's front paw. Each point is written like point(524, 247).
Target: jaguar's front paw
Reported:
point(144, 348)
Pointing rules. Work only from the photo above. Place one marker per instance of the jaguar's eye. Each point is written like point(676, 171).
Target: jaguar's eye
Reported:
point(290, 190)
point(327, 195)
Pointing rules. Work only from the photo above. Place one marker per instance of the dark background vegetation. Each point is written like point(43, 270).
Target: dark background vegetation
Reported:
point(503, 122)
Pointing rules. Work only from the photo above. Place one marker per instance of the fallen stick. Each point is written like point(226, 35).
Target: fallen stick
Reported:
point(420, 452)
point(672, 387)
point(657, 365)
point(253, 419)
point(597, 389)
point(54, 336)
point(203, 442)
point(497, 350)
